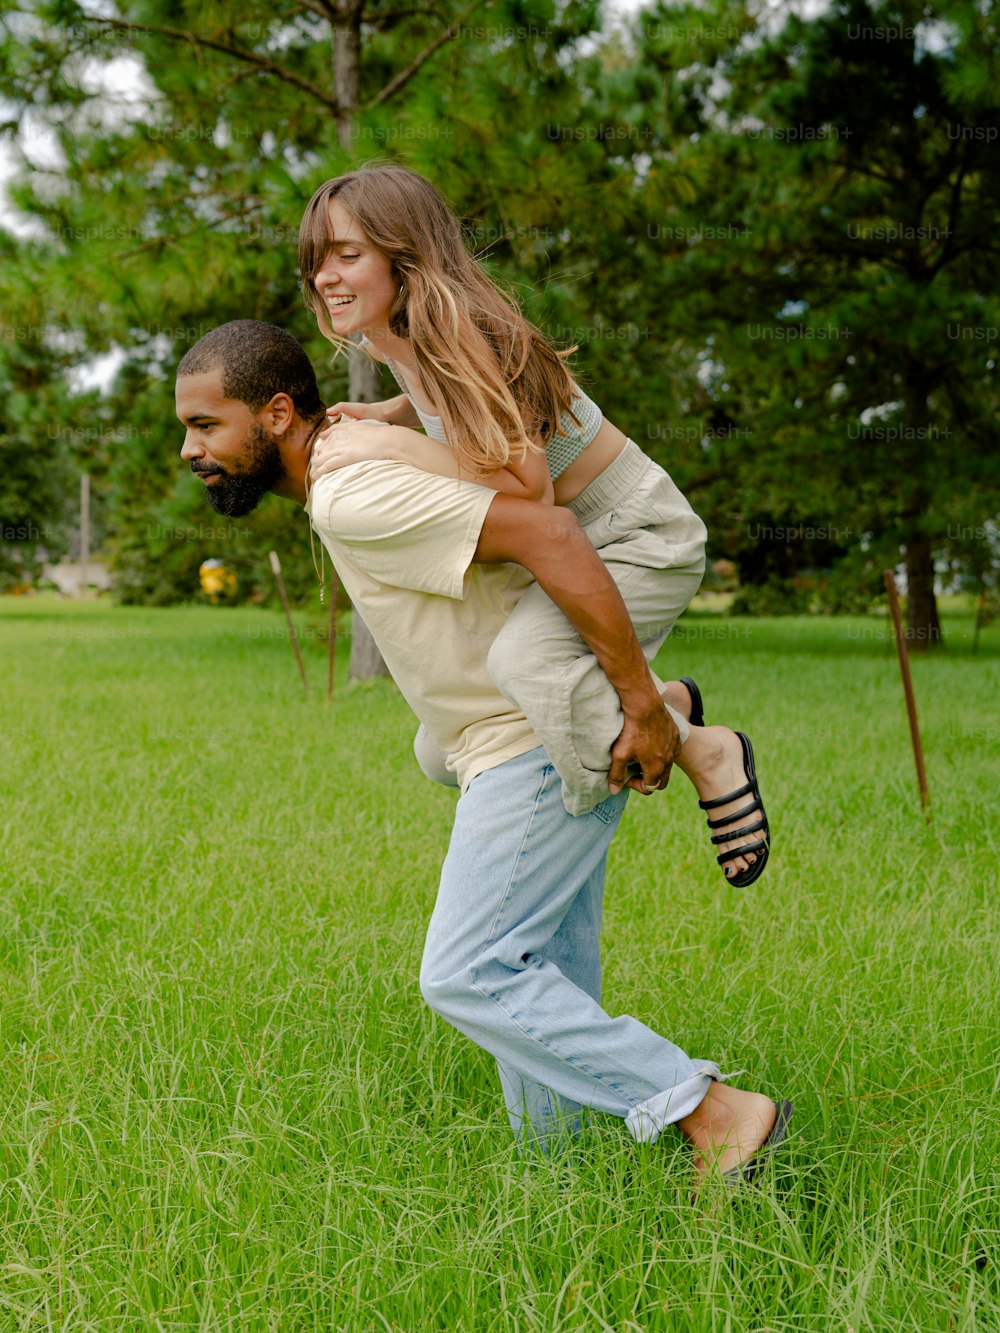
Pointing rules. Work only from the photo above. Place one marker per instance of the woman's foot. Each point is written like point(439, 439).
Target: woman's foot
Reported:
point(713, 758)
point(727, 1128)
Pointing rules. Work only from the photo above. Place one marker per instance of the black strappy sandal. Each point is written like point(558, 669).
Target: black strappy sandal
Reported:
point(697, 718)
point(763, 846)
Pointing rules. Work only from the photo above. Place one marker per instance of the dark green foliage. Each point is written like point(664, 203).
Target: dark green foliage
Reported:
point(183, 213)
point(47, 437)
point(829, 243)
point(774, 246)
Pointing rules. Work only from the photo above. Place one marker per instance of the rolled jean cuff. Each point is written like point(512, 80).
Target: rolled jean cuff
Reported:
point(647, 1120)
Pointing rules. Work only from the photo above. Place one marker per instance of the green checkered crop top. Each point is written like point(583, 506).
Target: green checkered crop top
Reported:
point(561, 450)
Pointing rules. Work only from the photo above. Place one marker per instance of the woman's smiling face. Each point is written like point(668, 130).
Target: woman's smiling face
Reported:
point(355, 280)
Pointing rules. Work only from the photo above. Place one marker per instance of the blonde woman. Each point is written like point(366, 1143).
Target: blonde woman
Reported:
point(383, 263)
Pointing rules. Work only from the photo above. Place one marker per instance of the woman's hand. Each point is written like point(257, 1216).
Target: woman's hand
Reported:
point(361, 411)
point(396, 411)
point(348, 442)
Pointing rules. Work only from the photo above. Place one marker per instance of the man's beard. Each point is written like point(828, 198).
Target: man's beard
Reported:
point(237, 493)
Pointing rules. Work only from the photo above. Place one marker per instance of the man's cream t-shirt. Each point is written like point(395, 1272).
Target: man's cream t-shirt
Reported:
point(402, 541)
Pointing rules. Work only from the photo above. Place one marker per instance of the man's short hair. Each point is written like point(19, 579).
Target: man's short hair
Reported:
point(257, 361)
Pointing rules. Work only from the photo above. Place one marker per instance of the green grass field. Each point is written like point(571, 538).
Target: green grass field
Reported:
point(226, 1106)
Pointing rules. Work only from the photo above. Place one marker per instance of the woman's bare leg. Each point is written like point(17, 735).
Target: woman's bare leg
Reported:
point(712, 758)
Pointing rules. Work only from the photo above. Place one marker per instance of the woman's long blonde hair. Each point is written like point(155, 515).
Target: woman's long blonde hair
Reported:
point(491, 373)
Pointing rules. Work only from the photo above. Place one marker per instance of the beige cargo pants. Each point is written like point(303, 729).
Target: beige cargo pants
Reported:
point(653, 544)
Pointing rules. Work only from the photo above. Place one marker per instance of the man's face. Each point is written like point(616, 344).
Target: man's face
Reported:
point(237, 459)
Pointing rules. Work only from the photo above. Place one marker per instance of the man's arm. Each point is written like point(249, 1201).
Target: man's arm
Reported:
point(550, 543)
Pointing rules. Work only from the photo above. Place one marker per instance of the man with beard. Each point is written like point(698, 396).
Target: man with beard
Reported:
point(240, 455)
point(435, 566)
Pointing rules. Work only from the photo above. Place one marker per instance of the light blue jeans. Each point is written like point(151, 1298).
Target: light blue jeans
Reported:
point(512, 960)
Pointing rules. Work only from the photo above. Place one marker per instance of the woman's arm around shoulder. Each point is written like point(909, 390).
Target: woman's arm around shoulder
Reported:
point(339, 446)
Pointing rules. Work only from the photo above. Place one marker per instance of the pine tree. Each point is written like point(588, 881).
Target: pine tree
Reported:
point(182, 213)
point(834, 251)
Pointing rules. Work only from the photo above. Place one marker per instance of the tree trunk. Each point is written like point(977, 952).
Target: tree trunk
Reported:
point(366, 660)
point(923, 628)
point(363, 377)
point(346, 65)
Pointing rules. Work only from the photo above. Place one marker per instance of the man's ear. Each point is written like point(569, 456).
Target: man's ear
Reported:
point(278, 415)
